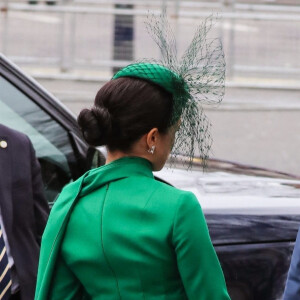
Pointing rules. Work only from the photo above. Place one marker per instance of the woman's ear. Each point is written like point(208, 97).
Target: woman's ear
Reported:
point(152, 137)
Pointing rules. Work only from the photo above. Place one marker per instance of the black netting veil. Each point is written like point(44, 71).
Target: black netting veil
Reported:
point(196, 79)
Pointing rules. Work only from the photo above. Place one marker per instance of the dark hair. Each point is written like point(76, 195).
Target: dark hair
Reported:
point(124, 110)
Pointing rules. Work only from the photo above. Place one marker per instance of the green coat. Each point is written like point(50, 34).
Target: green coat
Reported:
point(117, 233)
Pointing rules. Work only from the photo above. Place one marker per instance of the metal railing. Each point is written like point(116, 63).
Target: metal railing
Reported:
point(89, 40)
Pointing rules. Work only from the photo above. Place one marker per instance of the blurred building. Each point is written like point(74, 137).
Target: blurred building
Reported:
point(73, 46)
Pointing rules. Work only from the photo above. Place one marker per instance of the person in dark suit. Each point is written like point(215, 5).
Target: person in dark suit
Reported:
point(292, 288)
point(23, 215)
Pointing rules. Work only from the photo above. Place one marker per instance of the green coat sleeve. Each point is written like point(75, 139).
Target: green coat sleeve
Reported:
point(64, 284)
point(198, 263)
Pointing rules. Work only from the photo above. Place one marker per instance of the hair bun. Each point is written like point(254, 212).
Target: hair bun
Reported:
point(96, 125)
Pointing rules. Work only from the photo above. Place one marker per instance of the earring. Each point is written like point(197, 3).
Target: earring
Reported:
point(151, 150)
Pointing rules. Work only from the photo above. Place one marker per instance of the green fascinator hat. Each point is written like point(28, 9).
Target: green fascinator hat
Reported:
point(195, 80)
point(165, 78)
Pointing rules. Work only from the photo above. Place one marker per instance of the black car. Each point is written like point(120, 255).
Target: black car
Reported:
point(253, 214)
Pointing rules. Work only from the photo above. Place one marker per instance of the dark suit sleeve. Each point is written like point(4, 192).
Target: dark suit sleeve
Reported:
point(292, 288)
point(41, 207)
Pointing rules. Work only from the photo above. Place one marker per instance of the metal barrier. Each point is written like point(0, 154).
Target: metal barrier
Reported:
point(90, 39)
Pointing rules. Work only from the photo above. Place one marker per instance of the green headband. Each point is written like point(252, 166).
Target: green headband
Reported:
point(165, 78)
point(155, 73)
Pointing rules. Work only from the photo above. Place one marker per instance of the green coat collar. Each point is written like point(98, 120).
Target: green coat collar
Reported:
point(118, 169)
point(59, 216)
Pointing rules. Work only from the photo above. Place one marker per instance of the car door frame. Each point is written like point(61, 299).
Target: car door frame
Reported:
point(54, 108)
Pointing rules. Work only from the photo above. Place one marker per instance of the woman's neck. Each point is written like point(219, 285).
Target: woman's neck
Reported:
point(111, 156)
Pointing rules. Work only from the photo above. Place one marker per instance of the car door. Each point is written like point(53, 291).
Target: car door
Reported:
point(29, 108)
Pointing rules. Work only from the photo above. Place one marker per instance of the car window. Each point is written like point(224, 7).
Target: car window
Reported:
point(50, 139)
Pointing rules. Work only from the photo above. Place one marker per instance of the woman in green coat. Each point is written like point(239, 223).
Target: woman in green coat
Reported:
point(116, 232)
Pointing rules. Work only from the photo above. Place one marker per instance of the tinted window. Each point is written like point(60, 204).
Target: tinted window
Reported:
point(50, 140)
